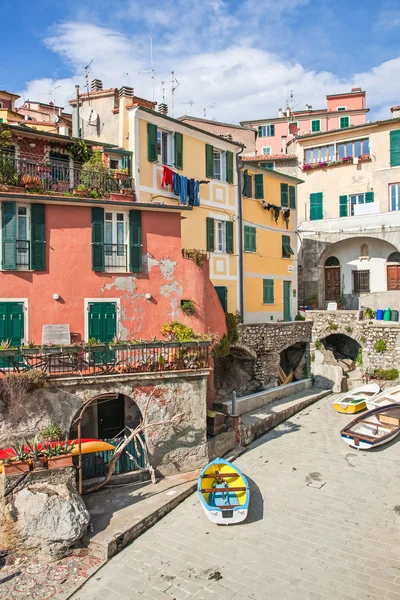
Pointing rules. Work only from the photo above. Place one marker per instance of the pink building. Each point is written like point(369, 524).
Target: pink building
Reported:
point(342, 111)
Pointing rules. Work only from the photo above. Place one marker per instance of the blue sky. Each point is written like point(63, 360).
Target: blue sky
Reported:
point(242, 57)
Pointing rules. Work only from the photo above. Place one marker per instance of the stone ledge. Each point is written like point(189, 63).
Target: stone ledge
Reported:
point(70, 381)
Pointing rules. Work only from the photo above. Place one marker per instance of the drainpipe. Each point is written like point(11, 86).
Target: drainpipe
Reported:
point(78, 129)
point(240, 237)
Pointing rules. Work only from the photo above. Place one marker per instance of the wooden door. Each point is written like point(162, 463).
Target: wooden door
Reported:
point(332, 283)
point(393, 277)
point(286, 301)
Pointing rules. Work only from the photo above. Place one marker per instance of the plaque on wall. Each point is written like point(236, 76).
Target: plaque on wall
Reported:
point(56, 334)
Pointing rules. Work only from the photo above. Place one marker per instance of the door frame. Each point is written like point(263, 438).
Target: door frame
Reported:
point(24, 301)
point(340, 281)
point(87, 301)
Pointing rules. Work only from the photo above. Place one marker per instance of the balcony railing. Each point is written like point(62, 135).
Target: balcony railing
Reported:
point(115, 257)
point(59, 176)
point(107, 359)
point(23, 254)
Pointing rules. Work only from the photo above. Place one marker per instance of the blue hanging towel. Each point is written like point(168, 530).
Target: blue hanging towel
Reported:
point(191, 191)
point(176, 184)
point(183, 194)
point(196, 193)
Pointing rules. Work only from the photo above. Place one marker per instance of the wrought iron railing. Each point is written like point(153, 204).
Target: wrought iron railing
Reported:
point(59, 175)
point(115, 257)
point(107, 359)
point(23, 253)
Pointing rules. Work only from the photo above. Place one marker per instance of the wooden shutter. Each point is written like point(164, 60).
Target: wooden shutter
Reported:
point(316, 206)
point(268, 291)
point(292, 196)
point(152, 142)
point(222, 293)
point(210, 234)
point(369, 197)
point(209, 161)
point(258, 186)
point(272, 130)
point(229, 167)
point(9, 228)
point(260, 132)
point(135, 241)
point(344, 122)
point(178, 150)
point(343, 206)
point(229, 237)
point(38, 260)
point(284, 194)
point(315, 126)
point(124, 162)
point(395, 148)
point(247, 185)
point(98, 239)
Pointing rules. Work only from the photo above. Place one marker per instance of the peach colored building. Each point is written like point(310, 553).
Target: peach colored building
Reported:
point(342, 111)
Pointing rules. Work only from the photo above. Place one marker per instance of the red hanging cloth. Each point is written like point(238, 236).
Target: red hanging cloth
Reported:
point(167, 177)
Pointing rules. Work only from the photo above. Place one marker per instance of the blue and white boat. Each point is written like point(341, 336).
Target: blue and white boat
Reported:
point(374, 428)
point(224, 492)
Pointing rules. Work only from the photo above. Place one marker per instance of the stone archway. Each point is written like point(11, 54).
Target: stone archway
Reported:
point(337, 359)
point(293, 363)
point(235, 372)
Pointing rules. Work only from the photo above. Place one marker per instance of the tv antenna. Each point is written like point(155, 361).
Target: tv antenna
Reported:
point(147, 71)
point(191, 102)
point(174, 85)
point(209, 105)
point(87, 75)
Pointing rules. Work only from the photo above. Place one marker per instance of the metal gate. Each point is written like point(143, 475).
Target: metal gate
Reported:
point(96, 464)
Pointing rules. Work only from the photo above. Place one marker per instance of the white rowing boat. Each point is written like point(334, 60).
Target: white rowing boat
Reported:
point(356, 400)
point(374, 428)
point(389, 396)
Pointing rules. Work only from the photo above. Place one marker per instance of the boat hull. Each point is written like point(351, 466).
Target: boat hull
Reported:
point(356, 400)
point(374, 428)
point(350, 409)
point(385, 398)
point(218, 518)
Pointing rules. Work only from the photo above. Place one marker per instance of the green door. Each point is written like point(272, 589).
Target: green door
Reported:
point(286, 300)
point(102, 326)
point(222, 293)
point(11, 325)
point(110, 417)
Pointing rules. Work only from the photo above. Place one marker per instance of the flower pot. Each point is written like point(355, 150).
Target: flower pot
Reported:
point(8, 353)
point(16, 467)
point(52, 350)
point(121, 176)
point(25, 351)
point(60, 461)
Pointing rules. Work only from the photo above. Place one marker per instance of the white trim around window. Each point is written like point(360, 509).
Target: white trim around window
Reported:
point(266, 150)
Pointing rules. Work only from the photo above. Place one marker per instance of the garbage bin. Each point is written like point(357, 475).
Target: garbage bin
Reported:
point(379, 315)
point(387, 313)
point(395, 315)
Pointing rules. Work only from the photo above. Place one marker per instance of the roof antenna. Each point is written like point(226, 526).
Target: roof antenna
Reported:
point(174, 84)
point(208, 105)
point(151, 70)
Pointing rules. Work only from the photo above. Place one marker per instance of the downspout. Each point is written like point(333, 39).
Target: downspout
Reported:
point(240, 237)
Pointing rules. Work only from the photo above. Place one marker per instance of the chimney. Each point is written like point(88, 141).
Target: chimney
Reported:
point(358, 89)
point(126, 91)
point(280, 113)
point(395, 110)
point(308, 106)
point(163, 108)
point(283, 144)
point(96, 85)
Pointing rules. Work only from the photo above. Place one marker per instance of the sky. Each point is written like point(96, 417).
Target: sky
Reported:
point(232, 60)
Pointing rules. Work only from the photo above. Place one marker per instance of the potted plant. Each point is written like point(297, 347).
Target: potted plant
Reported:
point(122, 174)
point(341, 301)
point(313, 301)
point(30, 348)
point(6, 349)
point(118, 344)
point(51, 349)
point(97, 345)
point(52, 433)
point(188, 307)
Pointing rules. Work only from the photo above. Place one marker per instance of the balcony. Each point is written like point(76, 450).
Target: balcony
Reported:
point(61, 177)
point(23, 255)
point(115, 257)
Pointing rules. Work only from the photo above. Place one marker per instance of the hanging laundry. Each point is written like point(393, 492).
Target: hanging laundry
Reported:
point(183, 194)
point(191, 192)
point(276, 209)
point(177, 184)
point(286, 215)
point(196, 193)
point(167, 177)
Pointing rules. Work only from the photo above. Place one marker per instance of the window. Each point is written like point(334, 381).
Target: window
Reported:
point(344, 122)
point(249, 239)
point(247, 185)
point(22, 241)
point(316, 206)
point(268, 165)
point(316, 125)
point(164, 145)
point(395, 148)
point(219, 236)
point(266, 131)
point(284, 194)
point(320, 154)
point(114, 163)
point(356, 199)
point(287, 251)
point(361, 281)
point(394, 196)
point(115, 241)
point(353, 148)
point(342, 108)
point(258, 186)
point(217, 158)
point(268, 291)
point(266, 150)
point(343, 206)
point(292, 196)
point(22, 237)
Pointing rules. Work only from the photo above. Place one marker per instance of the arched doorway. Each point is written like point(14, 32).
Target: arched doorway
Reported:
point(293, 364)
point(393, 271)
point(332, 278)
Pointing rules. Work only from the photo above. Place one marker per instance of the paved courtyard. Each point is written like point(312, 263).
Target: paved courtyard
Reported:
point(324, 524)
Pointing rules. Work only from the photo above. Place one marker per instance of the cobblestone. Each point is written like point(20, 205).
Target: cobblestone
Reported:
point(322, 525)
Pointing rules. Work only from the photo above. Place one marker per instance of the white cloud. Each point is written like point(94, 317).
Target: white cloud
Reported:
point(245, 81)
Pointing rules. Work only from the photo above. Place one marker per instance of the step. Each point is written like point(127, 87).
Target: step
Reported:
point(257, 422)
point(259, 399)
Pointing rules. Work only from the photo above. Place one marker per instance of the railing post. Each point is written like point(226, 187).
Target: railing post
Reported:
point(234, 398)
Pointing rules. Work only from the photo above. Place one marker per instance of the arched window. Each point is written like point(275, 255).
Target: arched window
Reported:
point(332, 261)
point(394, 257)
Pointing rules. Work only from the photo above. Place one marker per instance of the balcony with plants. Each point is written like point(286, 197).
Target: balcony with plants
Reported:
point(333, 155)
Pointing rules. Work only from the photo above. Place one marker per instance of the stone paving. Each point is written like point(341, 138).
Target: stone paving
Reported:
point(324, 523)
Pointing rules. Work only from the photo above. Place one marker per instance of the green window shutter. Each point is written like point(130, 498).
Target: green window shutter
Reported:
point(258, 186)
point(292, 196)
point(124, 162)
point(210, 234)
point(395, 148)
point(222, 293)
point(316, 206)
point(284, 194)
point(268, 291)
point(9, 229)
point(229, 237)
point(135, 241)
point(344, 122)
point(369, 197)
point(229, 167)
point(98, 239)
point(38, 260)
point(178, 150)
point(247, 185)
point(249, 239)
point(260, 131)
point(343, 206)
point(272, 130)
point(316, 126)
point(287, 250)
point(152, 142)
point(209, 161)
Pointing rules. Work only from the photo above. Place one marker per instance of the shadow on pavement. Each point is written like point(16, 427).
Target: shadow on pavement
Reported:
point(256, 506)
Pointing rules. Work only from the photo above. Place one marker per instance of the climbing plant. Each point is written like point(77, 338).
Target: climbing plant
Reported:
point(380, 346)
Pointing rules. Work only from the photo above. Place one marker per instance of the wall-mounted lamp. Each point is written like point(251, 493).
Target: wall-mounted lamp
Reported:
point(147, 296)
point(32, 145)
point(56, 297)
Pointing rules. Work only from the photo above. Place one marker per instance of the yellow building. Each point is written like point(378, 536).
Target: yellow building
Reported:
point(269, 244)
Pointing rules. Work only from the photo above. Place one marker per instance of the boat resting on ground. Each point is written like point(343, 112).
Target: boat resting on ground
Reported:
point(356, 400)
point(224, 492)
point(389, 396)
point(374, 428)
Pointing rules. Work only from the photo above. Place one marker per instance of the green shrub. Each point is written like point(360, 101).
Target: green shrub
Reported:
point(369, 313)
point(175, 331)
point(188, 307)
point(380, 346)
point(232, 327)
point(349, 329)
point(333, 326)
point(388, 374)
point(318, 344)
point(359, 359)
point(363, 339)
point(223, 347)
point(312, 356)
point(299, 317)
point(52, 432)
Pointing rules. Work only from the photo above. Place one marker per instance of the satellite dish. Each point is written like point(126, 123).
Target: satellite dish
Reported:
point(54, 118)
point(89, 115)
